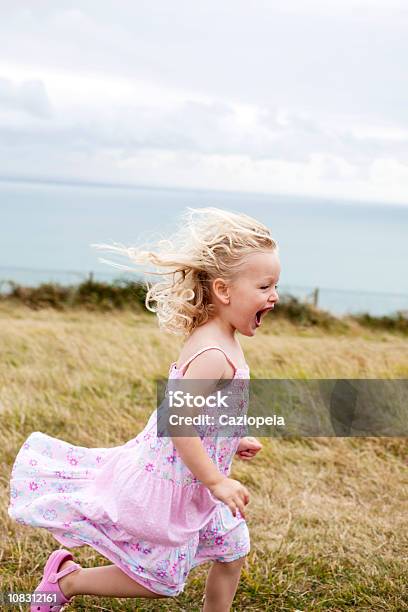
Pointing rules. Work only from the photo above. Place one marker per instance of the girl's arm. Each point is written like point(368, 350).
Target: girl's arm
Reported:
point(207, 369)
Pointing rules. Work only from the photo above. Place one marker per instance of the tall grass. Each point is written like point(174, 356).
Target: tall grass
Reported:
point(327, 516)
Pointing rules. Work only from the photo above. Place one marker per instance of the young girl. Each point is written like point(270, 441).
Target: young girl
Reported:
point(157, 507)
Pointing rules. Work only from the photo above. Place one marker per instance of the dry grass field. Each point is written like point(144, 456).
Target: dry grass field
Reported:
point(328, 517)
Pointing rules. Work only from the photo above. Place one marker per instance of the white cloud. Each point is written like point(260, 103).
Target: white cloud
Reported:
point(28, 96)
point(370, 8)
point(235, 96)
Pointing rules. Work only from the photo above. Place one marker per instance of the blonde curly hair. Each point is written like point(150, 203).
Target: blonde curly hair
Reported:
point(209, 244)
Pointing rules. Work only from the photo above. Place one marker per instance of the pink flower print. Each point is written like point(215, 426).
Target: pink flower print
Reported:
point(60, 489)
point(149, 467)
point(172, 459)
point(72, 458)
point(50, 515)
point(33, 461)
point(161, 573)
point(238, 547)
point(26, 445)
point(219, 540)
point(33, 486)
point(173, 568)
point(146, 551)
point(139, 568)
point(66, 525)
point(98, 459)
point(182, 556)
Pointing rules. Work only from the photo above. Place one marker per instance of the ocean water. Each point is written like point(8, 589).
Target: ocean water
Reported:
point(355, 254)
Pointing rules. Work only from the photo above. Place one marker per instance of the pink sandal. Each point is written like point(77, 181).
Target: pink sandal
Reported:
point(49, 583)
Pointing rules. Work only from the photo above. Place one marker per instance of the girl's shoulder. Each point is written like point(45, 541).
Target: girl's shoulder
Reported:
point(199, 342)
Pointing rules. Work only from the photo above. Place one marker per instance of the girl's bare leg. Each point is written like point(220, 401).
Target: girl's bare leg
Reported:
point(107, 581)
point(221, 585)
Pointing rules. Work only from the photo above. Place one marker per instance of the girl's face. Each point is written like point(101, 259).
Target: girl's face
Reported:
point(253, 294)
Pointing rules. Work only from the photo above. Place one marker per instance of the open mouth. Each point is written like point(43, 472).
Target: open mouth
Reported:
point(260, 315)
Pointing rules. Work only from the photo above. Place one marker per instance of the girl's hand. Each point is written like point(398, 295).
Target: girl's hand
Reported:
point(247, 448)
point(232, 493)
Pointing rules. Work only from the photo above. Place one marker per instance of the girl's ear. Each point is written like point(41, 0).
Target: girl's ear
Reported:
point(221, 290)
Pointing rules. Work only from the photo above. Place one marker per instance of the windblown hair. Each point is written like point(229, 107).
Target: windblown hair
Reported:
point(209, 244)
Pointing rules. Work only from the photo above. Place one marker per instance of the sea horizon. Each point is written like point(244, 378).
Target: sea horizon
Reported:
point(353, 252)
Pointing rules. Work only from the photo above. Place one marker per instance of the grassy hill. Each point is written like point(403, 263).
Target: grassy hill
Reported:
point(327, 516)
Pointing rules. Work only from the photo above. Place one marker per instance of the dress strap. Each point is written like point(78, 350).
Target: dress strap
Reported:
point(190, 359)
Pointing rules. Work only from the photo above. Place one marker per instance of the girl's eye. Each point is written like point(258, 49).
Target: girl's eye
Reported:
point(267, 286)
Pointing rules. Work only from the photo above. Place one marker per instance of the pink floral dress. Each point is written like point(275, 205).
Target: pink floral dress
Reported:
point(137, 504)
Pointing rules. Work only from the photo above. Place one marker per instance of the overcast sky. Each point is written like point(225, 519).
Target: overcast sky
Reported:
point(296, 96)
